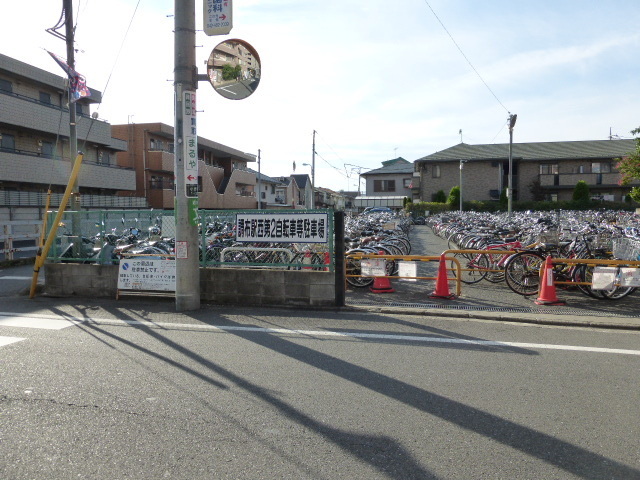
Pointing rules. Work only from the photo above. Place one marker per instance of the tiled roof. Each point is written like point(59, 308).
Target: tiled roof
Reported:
point(592, 149)
point(392, 169)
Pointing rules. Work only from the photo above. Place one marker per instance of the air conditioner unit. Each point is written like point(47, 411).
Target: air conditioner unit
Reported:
point(39, 143)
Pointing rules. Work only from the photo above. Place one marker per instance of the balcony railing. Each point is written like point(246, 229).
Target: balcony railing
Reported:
point(11, 198)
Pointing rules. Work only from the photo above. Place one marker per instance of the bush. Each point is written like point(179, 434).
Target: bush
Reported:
point(454, 196)
point(581, 192)
point(440, 197)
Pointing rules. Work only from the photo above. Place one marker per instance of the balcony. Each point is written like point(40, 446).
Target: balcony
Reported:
point(10, 198)
point(567, 180)
point(160, 161)
point(19, 165)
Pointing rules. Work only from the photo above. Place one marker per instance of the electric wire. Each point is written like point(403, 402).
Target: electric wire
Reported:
point(465, 57)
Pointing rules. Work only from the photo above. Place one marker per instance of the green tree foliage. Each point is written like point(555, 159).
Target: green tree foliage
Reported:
point(454, 196)
point(581, 192)
point(440, 197)
point(229, 72)
point(629, 167)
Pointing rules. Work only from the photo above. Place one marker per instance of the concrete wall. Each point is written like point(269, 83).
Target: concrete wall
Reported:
point(224, 286)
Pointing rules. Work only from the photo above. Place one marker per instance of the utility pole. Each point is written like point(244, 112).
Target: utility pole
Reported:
point(186, 158)
point(259, 184)
point(67, 5)
point(512, 122)
point(313, 170)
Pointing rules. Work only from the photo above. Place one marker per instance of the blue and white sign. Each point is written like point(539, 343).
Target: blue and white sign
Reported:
point(147, 274)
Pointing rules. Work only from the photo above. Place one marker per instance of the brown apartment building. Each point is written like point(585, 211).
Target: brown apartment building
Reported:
point(224, 180)
point(541, 171)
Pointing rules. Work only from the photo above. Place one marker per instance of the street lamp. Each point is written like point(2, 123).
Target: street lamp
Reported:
point(512, 122)
point(462, 162)
point(313, 182)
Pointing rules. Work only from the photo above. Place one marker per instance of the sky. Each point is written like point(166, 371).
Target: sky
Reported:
point(376, 79)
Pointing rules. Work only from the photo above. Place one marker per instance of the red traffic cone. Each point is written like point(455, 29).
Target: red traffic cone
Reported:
point(442, 282)
point(381, 285)
point(547, 290)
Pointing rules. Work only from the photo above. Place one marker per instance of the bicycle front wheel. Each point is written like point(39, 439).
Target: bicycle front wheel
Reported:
point(522, 273)
point(471, 270)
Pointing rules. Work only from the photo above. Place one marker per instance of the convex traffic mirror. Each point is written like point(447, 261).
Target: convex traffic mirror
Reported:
point(233, 69)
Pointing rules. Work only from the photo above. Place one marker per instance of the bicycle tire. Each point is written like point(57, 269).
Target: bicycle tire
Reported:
point(522, 273)
point(492, 265)
point(471, 270)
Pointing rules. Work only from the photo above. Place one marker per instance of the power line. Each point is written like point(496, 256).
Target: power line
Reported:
point(465, 57)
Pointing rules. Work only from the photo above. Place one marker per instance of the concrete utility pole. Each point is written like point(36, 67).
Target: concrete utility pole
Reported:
point(67, 5)
point(259, 184)
point(185, 147)
point(512, 122)
point(313, 171)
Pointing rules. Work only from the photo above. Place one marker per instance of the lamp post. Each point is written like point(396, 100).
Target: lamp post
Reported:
point(312, 165)
point(461, 167)
point(512, 122)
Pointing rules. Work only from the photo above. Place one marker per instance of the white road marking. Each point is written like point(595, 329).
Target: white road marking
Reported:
point(46, 323)
point(371, 336)
point(58, 323)
point(9, 340)
point(13, 277)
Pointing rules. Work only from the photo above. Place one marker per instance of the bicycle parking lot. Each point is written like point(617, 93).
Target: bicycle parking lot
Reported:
point(482, 295)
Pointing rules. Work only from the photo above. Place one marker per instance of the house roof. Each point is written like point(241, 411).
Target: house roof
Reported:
point(392, 169)
point(265, 178)
point(301, 180)
point(578, 150)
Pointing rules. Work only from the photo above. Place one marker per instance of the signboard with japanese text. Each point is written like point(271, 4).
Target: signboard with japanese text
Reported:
point(150, 274)
point(282, 227)
point(217, 17)
point(190, 143)
point(373, 267)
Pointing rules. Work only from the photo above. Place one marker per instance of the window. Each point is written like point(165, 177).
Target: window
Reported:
point(8, 142)
point(549, 169)
point(78, 108)
point(600, 167)
point(45, 98)
point(406, 183)
point(6, 86)
point(384, 185)
point(152, 144)
point(47, 149)
point(435, 171)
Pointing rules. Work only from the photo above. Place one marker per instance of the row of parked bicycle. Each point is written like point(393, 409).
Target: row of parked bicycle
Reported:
point(532, 237)
point(375, 232)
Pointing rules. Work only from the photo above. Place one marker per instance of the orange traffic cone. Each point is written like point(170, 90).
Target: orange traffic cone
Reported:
point(442, 282)
point(547, 290)
point(381, 285)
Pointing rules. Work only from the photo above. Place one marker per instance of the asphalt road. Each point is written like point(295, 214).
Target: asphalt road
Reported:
point(100, 389)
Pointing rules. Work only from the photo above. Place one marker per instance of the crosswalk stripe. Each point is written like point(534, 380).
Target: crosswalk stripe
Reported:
point(9, 340)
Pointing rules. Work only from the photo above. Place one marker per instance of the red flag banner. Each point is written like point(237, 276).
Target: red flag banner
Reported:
point(77, 82)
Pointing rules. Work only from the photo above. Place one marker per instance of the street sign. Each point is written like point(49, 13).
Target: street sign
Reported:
point(217, 17)
point(190, 145)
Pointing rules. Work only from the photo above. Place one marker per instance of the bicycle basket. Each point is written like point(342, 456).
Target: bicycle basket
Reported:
point(626, 248)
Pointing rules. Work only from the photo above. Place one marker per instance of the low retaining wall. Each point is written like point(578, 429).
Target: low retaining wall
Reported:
point(224, 286)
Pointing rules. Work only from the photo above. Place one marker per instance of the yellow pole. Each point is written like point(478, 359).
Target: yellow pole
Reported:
point(42, 253)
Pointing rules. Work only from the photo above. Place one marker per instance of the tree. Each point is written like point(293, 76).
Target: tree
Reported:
point(537, 192)
point(629, 167)
point(440, 197)
point(454, 196)
point(581, 192)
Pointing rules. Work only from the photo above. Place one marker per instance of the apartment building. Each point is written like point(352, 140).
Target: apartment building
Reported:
point(224, 179)
point(541, 171)
point(34, 146)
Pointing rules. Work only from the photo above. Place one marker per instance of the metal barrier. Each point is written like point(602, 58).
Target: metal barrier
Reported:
point(412, 258)
point(10, 234)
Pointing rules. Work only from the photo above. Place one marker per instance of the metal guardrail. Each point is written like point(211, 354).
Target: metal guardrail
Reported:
point(8, 235)
point(414, 258)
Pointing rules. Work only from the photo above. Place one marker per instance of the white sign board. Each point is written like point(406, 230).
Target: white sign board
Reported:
point(630, 277)
point(408, 269)
point(282, 227)
point(147, 274)
point(603, 278)
point(373, 267)
point(217, 17)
